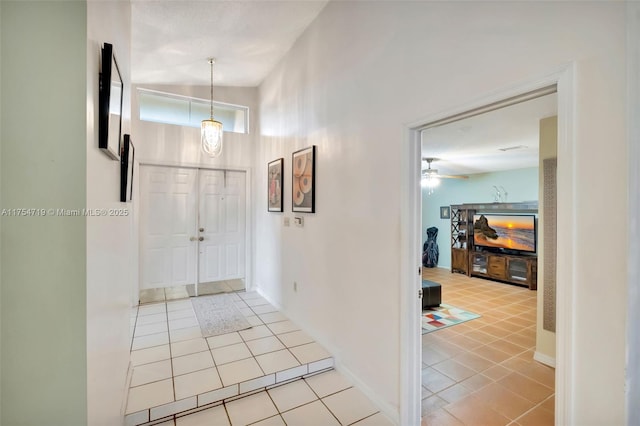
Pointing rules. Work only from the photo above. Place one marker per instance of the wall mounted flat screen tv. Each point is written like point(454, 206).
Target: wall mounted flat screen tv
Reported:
point(506, 232)
point(110, 105)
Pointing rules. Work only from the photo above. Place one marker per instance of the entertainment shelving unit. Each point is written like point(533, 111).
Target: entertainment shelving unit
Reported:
point(520, 269)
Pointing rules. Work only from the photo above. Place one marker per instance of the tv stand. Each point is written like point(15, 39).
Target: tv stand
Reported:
point(466, 258)
point(514, 269)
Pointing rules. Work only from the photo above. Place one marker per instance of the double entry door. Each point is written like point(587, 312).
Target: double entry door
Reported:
point(192, 226)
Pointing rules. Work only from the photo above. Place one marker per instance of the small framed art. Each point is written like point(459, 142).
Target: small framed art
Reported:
point(274, 185)
point(445, 212)
point(303, 191)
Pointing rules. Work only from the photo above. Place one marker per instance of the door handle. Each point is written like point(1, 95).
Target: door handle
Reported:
point(193, 239)
point(201, 239)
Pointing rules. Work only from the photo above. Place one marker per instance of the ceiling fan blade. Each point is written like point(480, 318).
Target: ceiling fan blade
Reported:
point(453, 177)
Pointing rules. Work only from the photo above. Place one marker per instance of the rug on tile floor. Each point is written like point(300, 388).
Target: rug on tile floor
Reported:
point(443, 316)
point(218, 315)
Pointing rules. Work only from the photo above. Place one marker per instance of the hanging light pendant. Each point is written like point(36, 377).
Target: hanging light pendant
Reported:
point(211, 130)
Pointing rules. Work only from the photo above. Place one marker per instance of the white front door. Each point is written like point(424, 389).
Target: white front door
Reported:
point(222, 225)
point(168, 203)
point(192, 226)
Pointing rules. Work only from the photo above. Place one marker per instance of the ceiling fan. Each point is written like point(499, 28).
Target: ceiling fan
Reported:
point(433, 173)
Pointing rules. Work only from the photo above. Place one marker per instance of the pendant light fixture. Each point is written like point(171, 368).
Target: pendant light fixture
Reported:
point(211, 130)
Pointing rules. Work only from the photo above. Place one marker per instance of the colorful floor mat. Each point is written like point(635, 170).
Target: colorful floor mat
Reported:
point(444, 316)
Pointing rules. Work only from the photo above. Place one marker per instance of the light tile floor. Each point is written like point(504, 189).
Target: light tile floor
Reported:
point(482, 372)
point(154, 295)
point(270, 374)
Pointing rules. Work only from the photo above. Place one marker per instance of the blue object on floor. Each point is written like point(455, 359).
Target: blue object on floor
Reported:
point(430, 252)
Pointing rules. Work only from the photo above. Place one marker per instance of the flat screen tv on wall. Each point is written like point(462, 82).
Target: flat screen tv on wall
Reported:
point(505, 232)
point(110, 105)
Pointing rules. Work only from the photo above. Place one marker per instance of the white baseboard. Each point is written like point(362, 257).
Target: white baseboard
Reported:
point(545, 359)
point(385, 408)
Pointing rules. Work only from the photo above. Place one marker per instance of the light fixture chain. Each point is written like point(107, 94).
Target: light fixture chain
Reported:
point(211, 62)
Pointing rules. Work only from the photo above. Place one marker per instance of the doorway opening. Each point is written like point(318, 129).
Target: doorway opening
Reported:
point(412, 237)
point(193, 232)
point(494, 262)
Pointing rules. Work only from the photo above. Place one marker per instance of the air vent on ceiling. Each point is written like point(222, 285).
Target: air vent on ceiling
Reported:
point(511, 148)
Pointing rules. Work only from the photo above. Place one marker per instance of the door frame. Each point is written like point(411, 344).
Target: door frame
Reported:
point(410, 262)
point(248, 280)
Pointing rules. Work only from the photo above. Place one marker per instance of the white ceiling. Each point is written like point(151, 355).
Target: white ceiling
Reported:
point(473, 145)
point(171, 39)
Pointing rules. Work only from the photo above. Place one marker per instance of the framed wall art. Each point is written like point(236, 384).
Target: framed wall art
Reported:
point(274, 185)
point(126, 170)
point(303, 185)
point(445, 212)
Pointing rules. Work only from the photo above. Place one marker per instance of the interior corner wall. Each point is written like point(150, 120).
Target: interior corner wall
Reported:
point(521, 185)
point(43, 167)
point(111, 239)
point(360, 61)
point(545, 340)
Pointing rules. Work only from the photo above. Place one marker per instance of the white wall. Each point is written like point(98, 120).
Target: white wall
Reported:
point(44, 359)
point(521, 185)
point(111, 244)
point(633, 344)
point(359, 72)
point(0, 219)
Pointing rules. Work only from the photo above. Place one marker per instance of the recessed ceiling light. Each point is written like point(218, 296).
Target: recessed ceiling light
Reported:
point(511, 148)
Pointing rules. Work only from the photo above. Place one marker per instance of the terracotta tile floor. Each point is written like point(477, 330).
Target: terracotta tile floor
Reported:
point(482, 372)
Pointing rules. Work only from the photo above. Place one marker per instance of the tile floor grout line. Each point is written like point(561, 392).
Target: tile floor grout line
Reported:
point(366, 417)
point(524, 327)
point(170, 333)
point(133, 335)
point(173, 382)
point(327, 407)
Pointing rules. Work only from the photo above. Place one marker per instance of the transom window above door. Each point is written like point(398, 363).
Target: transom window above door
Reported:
point(168, 108)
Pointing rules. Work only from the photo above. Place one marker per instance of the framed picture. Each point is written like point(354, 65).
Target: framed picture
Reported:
point(110, 105)
point(126, 169)
point(274, 185)
point(303, 185)
point(445, 212)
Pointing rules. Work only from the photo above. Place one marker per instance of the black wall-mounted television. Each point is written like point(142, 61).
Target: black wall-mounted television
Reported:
point(110, 104)
point(505, 232)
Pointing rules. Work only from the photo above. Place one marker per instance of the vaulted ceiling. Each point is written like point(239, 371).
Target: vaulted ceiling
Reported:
point(171, 40)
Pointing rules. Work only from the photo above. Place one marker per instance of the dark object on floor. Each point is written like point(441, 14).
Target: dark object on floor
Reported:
point(431, 294)
point(430, 251)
